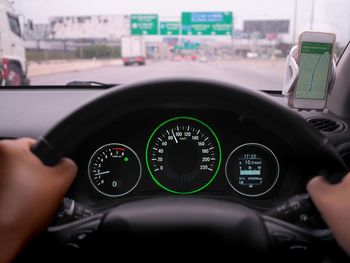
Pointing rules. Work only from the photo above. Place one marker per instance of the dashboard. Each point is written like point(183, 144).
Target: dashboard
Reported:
point(175, 151)
point(32, 113)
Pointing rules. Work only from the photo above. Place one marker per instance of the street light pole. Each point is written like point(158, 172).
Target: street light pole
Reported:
point(295, 21)
point(232, 39)
point(312, 14)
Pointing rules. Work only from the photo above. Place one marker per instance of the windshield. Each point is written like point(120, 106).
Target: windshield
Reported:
point(244, 42)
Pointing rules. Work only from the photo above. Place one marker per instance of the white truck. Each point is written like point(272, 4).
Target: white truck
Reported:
point(12, 49)
point(133, 50)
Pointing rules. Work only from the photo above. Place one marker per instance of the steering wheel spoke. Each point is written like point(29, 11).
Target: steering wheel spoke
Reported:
point(287, 235)
point(76, 232)
point(151, 222)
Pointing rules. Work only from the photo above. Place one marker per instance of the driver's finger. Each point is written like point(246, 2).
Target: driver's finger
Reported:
point(13, 146)
point(346, 179)
point(66, 171)
point(66, 165)
point(318, 187)
point(27, 141)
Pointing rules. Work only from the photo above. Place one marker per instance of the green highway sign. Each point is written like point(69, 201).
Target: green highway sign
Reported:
point(169, 28)
point(207, 23)
point(191, 46)
point(144, 24)
point(188, 46)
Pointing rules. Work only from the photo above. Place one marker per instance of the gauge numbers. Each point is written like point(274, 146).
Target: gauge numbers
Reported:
point(183, 155)
point(114, 170)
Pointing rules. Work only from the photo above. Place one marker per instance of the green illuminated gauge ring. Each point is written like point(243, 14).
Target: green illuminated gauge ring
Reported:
point(252, 169)
point(114, 170)
point(183, 155)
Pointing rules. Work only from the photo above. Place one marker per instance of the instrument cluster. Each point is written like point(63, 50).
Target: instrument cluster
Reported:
point(205, 152)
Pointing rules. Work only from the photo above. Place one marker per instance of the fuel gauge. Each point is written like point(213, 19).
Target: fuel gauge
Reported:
point(114, 170)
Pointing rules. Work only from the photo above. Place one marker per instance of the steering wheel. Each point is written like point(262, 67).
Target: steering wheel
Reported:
point(158, 216)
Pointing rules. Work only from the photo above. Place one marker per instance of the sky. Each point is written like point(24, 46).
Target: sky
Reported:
point(331, 15)
point(44, 8)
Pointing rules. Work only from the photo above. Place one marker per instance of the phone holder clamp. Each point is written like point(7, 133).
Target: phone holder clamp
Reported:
point(292, 74)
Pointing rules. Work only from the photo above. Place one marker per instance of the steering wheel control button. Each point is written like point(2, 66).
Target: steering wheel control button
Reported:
point(252, 169)
point(298, 210)
point(114, 170)
point(283, 237)
point(183, 155)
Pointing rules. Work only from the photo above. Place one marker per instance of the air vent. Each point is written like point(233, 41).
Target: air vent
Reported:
point(326, 125)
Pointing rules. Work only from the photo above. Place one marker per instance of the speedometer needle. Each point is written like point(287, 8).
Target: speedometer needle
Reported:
point(101, 173)
point(172, 131)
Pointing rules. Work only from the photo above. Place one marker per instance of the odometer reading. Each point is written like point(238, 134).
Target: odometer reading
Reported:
point(183, 155)
point(252, 169)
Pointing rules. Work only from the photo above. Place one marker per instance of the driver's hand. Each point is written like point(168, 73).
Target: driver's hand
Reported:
point(333, 202)
point(30, 192)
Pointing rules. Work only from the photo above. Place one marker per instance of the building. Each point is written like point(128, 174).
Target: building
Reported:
point(268, 29)
point(38, 32)
point(110, 27)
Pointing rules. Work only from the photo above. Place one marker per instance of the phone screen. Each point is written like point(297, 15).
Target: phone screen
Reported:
point(313, 70)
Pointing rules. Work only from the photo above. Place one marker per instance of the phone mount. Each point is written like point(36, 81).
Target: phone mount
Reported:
point(292, 74)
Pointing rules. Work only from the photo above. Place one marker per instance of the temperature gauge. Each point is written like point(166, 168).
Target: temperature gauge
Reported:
point(114, 170)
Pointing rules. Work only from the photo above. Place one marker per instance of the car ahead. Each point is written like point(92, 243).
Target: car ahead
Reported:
point(203, 59)
point(133, 50)
point(2, 77)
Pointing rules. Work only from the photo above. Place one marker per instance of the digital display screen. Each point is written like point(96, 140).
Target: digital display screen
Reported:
point(313, 70)
point(252, 169)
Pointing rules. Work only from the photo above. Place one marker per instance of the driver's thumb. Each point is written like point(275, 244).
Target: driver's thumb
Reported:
point(318, 186)
point(66, 171)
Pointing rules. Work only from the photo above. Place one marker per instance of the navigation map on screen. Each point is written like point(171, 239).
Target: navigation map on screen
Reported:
point(313, 74)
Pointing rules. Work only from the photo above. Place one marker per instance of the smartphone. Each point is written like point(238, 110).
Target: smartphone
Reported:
point(315, 56)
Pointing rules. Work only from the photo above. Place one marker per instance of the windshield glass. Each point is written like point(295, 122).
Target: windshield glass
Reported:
point(244, 42)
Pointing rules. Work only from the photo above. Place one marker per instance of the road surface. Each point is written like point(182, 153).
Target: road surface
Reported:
point(253, 74)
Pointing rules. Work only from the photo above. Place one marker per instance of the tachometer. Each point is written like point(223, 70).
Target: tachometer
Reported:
point(183, 155)
point(114, 170)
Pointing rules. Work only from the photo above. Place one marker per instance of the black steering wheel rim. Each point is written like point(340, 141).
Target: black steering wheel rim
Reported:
point(116, 102)
point(76, 127)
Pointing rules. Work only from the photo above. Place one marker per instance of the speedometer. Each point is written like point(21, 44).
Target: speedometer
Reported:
point(183, 155)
